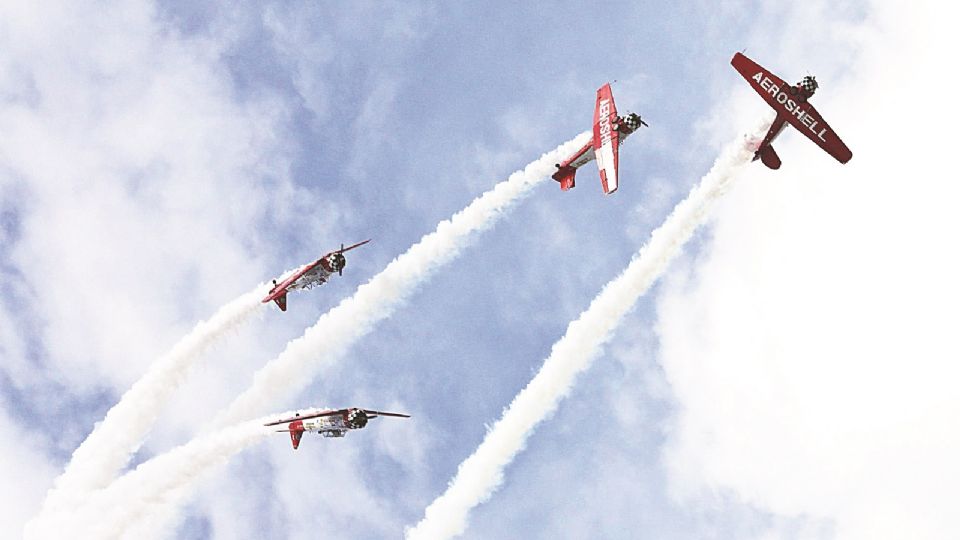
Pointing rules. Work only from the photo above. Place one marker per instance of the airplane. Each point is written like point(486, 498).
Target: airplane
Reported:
point(329, 423)
point(791, 105)
point(310, 276)
point(609, 132)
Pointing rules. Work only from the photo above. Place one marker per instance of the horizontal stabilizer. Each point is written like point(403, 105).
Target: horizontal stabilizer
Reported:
point(565, 175)
point(769, 157)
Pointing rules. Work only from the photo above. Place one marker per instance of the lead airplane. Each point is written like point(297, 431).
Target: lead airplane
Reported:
point(329, 423)
point(792, 107)
point(310, 275)
point(609, 132)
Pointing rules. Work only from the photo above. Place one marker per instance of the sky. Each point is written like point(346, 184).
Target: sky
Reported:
point(791, 375)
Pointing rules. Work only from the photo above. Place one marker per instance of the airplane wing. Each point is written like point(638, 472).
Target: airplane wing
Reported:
point(762, 80)
point(348, 248)
point(374, 414)
point(306, 417)
point(788, 104)
point(606, 139)
point(810, 123)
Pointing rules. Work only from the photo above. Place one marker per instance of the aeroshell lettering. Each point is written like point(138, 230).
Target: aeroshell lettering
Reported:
point(791, 106)
point(604, 122)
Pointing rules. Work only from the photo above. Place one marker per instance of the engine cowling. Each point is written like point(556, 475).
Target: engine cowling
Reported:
point(335, 262)
point(357, 418)
point(809, 85)
point(630, 123)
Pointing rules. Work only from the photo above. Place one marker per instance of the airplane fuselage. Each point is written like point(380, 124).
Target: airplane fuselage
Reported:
point(587, 153)
point(329, 423)
point(317, 275)
point(310, 275)
point(793, 100)
point(332, 426)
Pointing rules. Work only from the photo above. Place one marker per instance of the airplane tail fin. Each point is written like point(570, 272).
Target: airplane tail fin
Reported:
point(565, 176)
point(281, 301)
point(296, 433)
point(768, 156)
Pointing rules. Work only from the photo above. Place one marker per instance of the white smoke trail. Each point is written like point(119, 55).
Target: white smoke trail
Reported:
point(108, 513)
point(328, 339)
point(109, 447)
point(482, 473)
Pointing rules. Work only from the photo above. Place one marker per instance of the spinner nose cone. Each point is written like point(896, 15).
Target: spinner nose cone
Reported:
point(809, 84)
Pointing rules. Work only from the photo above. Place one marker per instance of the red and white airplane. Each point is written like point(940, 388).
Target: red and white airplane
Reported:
point(609, 132)
point(310, 276)
point(329, 423)
point(791, 105)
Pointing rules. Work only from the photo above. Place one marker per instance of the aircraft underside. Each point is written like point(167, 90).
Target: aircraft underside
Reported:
point(309, 281)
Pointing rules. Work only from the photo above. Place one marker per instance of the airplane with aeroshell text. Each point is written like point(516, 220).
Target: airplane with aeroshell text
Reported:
point(609, 132)
point(310, 275)
point(792, 107)
point(329, 423)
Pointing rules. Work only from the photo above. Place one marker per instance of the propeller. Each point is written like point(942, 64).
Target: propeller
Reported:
point(634, 117)
point(343, 260)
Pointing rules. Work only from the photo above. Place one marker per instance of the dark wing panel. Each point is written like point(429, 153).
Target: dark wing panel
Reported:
point(765, 83)
point(809, 122)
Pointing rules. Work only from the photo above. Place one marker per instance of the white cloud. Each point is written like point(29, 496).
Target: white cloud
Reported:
point(25, 474)
point(139, 178)
point(811, 349)
point(134, 180)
